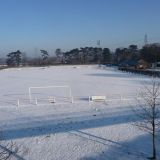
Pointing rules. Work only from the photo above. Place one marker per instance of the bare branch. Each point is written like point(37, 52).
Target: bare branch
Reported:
point(148, 110)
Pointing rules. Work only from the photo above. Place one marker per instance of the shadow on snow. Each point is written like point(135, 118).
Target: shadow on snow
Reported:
point(41, 126)
point(138, 148)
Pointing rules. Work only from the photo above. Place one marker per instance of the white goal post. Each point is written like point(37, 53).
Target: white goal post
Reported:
point(68, 88)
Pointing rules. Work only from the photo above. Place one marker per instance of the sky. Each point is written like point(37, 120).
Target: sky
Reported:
point(31, 25)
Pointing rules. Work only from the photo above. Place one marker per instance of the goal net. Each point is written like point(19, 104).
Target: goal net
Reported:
point(51, 94)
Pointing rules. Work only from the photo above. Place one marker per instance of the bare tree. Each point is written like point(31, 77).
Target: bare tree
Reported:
point(8, 150)
point(148, 111)
point(59, 55)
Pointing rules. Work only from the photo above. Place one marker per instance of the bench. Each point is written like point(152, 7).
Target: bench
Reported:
point(51, 99)
point(97, 98)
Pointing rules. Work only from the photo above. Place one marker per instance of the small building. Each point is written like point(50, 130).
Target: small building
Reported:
point(129, 63)
point(155, 65)
point(142, 64)
point(135, 64)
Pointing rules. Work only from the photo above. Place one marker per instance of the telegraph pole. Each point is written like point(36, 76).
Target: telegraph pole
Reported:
point(145, 39)
point(99, 43)
point(99, 51)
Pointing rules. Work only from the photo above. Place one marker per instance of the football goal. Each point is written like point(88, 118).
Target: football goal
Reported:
point(50, 94)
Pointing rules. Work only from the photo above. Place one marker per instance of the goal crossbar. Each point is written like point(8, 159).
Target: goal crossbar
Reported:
point(45, 87)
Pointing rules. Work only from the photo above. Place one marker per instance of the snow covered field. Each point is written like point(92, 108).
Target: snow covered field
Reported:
point(72, 131)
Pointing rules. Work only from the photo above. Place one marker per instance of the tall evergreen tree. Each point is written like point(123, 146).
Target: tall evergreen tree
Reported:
point(14, 58)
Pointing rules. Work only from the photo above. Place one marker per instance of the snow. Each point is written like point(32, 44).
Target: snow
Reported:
point(81, 130)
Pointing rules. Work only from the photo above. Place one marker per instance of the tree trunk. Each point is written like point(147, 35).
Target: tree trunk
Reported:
point(153, 133)
point(154, 144)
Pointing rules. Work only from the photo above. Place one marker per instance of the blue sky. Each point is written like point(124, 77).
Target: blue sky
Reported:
point(30, 25)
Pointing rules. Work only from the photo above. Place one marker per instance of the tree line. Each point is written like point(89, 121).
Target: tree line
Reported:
point(87, 55)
